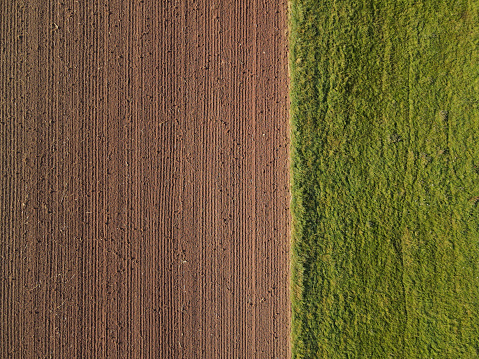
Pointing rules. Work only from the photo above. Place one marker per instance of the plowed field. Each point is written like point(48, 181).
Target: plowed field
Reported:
point(144, 179)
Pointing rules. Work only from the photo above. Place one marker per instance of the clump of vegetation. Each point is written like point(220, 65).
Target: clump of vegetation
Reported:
point(385, 149)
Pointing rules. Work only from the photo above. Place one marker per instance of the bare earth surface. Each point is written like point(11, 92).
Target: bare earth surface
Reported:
point(144, 179)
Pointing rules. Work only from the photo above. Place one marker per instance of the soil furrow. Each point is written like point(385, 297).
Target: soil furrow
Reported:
point(144, 161)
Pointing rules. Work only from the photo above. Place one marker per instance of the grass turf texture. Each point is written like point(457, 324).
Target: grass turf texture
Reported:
point(385, 178)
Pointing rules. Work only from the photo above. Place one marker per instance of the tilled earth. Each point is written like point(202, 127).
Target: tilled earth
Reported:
point(144, 179)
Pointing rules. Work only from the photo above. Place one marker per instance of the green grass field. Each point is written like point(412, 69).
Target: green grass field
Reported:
point(385, 178)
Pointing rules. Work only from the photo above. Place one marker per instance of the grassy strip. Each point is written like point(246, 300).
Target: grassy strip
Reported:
point(385, 178)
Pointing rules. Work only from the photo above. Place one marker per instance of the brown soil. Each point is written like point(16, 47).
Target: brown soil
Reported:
point(144, 179)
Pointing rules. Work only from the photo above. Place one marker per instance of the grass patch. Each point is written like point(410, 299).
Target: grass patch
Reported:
point(385, 178)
